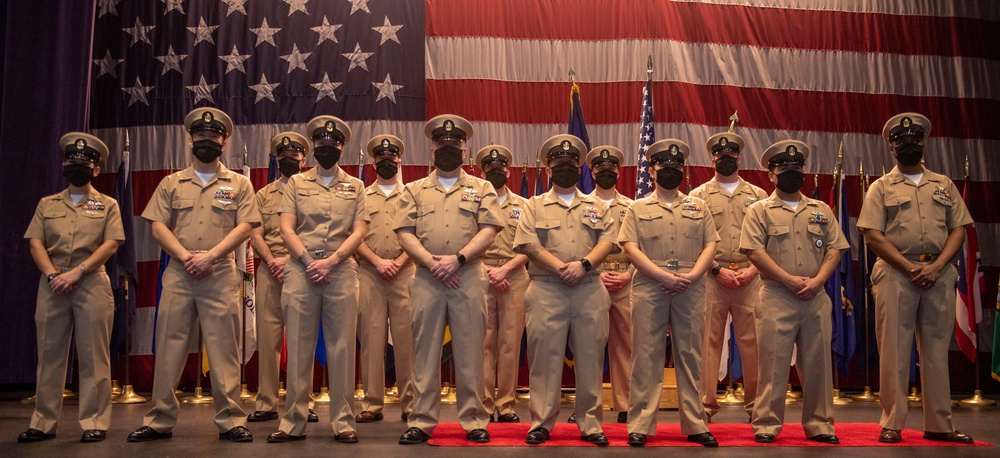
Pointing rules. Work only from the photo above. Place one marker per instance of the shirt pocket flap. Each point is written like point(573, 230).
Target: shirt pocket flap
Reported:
point(307, 192)
point(548, 224)
point(180, 204)
point(814, 229)
point(776, 230)
point(471, 207)
point(425, 209)
point(649, 216)
point(943, 200)
point(896, 201)
point(54, 214)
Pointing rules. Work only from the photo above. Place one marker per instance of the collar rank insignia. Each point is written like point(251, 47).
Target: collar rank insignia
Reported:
point(818, 218)
point(622, 215)
point(515, 213)
point(470, 195)
point(940, 191)
point(593, 213)
point(93, 205)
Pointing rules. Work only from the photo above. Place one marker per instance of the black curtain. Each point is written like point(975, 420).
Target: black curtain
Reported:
point(45, 67)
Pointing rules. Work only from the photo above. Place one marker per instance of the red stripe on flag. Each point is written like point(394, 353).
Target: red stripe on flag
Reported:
point(703, 23)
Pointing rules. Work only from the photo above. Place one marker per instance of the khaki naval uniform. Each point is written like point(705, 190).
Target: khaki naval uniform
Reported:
point(200, 216)
point(270, 324)
point(916, 219)
point(556, 311)
point(728, 211)
point(797, 240)
point(384, 306)
point(504, 314)
point(444, 221)
point(324, 217)
point(71, 233)
point(672, 235)
point(620, 317)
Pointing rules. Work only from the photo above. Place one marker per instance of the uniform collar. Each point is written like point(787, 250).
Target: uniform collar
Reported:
point(375, 189)
point(654, 199)
point(222, 173)
point(775, 202)
point(552, 198)
point(896, 176)
point(715, 187)
point(91, 195)
point(433, 181)
point(275, 186)
point(313, 175)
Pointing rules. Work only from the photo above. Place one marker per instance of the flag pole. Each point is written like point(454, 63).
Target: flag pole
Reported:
point(837, 398)
point(867, 395)
point(244, 390)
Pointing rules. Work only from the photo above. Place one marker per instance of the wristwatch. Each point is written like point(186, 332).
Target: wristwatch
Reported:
point(715, 270)
point(51, 276)
point(586, 264)
point(461, 259)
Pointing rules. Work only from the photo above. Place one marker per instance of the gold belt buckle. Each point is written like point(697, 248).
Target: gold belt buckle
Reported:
point(319, 253)
point(924, 257)
point(734, 266)
point(672, 263)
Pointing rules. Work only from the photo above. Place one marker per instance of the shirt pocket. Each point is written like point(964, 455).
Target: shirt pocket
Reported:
point(718, 216)
point(817, 237)
point(224, 213)
point(692, 226)
point(54, 223)
point(898, 210)
point(183, 211)
point(309, 202)
point(468, 212)
point(778, 238)
point(547, 232)
point(940, 209)
point(91, 223)
point(649, 227)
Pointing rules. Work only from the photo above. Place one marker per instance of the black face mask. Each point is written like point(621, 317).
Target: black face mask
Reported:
point(386, 169)
point(726, 165)
point(497, 177)
point(910, 154)
point(565, 175)
point(606, 179)
point(78, 174)
point(669, 177)
point(206, 150)
point(327, 156)
point(790, 181)
point(447, 158)
point(288, 166)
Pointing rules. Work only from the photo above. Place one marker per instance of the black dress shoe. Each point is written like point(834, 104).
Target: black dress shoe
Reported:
point(890, 436)
point(93, 435)
point(954, 436)
point(34, 435)
point(281, 436)
point(262, 415)
point(368, 416)
point(413, 435)
point(508, 418)
point(763, 438)
point(622, 417)
point(595, 438)
point(237, 434)
point(146, 434)
point(706, 439)
point(537, 436)
point(349, 437)
point(636, 439)
point(825, 439)
point(480, 436)
point(312, 417)
point(572, 418)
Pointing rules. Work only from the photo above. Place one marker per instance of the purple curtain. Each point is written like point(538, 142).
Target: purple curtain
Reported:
point(45, 64)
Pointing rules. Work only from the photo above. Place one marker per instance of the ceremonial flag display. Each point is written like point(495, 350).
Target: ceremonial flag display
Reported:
point(968, 312)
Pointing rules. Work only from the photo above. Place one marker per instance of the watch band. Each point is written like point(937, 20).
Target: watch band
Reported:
point(586, 264)
point(461, 259)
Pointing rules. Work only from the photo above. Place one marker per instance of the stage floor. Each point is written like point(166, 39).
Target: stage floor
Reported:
point(196, 435)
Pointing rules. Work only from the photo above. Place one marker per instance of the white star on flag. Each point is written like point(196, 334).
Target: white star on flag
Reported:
point(326, 88)
point(297, 5)
point(235, 61)
point(203, 32)
point(107, 65)
point(265, 33)
point(139, 32)
point(137, 93)
point(357, 58)
point(171, 61)
point(359, 5)
point(386, 90)
point(388, 31)
point(108, 7)
point(296, 59)
point(235, 6)
point(326, 31)
point(173, 5)
point(264, 89)
point(202, 91)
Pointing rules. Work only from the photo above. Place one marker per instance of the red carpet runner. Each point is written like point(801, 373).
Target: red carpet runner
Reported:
point(669, 435)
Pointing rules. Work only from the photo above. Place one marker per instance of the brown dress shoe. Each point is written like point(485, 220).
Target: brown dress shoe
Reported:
point(890, 436)
point(281, 436)
point(349, 437)
point(368, 417)
point(954, 436)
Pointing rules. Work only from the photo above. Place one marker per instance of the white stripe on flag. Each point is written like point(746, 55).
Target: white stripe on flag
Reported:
point(989, 10)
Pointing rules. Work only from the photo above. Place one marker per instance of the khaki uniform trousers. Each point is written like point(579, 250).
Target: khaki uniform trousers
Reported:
point(88, 312)
point(556, 312)
point(270, 336)
point(721, 302)
point(434, 305)
point(783, 320)
point(504, 326)
point(902, 310)
point(385, 307)
point(620, 347)
point(306, 307)
point(214, 303)
point(655, 312)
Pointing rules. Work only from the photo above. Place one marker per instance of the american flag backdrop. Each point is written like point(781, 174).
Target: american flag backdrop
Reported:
point(819, 71)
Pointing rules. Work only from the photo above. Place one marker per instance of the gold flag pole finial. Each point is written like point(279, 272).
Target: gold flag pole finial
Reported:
point(525, 169)
point(732, 121)
point(126, 152)
point(572, 76)
point(815, 180)
point(649, 67)
point(966, 166)
point(246, 153)
point(861, 175)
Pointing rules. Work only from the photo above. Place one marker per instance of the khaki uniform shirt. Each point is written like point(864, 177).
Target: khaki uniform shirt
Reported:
point(324, 213)
point(71, 233)
point(618, 206)
point(796, 240)
point(383, 210)
point(503, 246)
point(445, 221)
point(914, 218)
point(201, 215)
point(665, 231)
point(568, 232)
point(269, 203)
point(728, 212)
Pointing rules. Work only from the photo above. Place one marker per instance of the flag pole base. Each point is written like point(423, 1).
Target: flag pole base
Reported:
point(791, 397)
point(323, 397)
point(523, 395)
point(245, 395)
point(128, 396)
point(197, 398)
point(839, 400)
point(914, 396)
point(977, 400)
point(451, 398)
point(115, 389)
point(865, 396)
point(739, 392)
point(359, 392)
point(729, 399)
point(281, 390)
point(391, 395)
